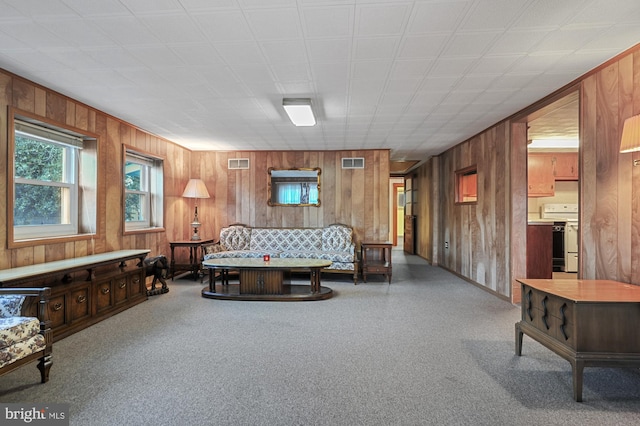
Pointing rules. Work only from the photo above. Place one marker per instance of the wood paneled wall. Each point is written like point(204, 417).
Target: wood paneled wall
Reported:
point(357, 197)
point(25, 95)
point(487, 240)
point(477, 234)
point(609, 183)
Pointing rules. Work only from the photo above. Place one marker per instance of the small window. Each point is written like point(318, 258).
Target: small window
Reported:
point(143, 191)
point(467, 185)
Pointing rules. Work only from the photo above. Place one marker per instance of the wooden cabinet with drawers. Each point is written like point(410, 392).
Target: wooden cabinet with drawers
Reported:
point(79, 300)
point(590, 323)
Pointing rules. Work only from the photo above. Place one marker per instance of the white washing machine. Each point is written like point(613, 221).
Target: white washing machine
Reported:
point(571, 247)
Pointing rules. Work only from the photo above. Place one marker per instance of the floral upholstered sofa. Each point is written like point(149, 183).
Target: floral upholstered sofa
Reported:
point(25, 332)
point(333, 242)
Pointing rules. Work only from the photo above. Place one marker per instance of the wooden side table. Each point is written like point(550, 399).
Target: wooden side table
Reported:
point(195, 257)
point(379, 263)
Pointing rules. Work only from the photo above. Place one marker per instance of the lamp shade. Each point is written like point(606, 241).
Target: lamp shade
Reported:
point(195, 189)
point(299, 111)
point(630, 141)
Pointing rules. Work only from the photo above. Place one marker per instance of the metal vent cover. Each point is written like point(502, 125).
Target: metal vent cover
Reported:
point(238, 163)
point(353, 163)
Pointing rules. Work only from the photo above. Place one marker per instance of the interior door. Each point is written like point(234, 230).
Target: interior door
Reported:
point(410, 200)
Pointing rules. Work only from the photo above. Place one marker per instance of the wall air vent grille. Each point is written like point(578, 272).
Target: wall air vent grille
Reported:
point(238, 164)
point(353, 163)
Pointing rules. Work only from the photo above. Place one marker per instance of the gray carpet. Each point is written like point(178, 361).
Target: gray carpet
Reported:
point(429, 349)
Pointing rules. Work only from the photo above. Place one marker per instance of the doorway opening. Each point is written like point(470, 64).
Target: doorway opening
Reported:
point(553, 188)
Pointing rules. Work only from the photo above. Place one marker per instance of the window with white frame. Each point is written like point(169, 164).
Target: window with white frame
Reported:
point(46, 182)
point(143, 191)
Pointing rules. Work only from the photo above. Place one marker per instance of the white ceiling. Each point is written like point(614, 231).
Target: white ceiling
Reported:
point(414, 76)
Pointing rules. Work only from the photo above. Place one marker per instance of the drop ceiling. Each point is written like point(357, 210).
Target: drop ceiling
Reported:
point(416, 77)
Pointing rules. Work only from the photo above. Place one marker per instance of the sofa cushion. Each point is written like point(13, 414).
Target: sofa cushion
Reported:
point(10, 306)
point(286, 239)
point(240, 254)
point(235, 237)
point(334, 256)
point(17, 329)
point(337, 238)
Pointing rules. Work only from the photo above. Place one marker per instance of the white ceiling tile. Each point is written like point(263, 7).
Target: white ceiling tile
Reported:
point(370, 70)
point(33, 35)
point(291, 72)
point(493, 14)
point(538, 62)
point(174, 28)
point(451, 66)
point(517, 42)
point(284, 52)
point(274, 24)
point(124, 30)
point(419, 47)
point(152, 6)
point(40, 9)
point(469, 44)
point(198, 5)
point(494, 64)
point(408, 69)
point(330, 22)
point(224, 26)
point(154, 55)
point(381, 20)
point(438, 16)
point(239, 53)
point(196, 54)
point(336, 50)
point(375, 48)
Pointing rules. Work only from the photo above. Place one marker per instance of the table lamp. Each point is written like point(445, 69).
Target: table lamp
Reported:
point(195, 189)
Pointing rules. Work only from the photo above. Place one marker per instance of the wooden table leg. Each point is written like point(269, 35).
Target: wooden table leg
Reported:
point(577, 370)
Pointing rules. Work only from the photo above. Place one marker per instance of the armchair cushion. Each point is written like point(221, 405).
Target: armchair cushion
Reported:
point(10, 306)
point(19, 337)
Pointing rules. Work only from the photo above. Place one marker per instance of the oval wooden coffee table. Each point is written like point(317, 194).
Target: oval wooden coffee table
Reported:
point(265, 280)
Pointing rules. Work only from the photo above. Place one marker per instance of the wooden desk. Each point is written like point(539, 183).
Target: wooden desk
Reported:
point(587, 322)
point(379, 263)
point(193, 266)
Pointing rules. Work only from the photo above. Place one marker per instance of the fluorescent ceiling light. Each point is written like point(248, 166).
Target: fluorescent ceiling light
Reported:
point(299, 111)
point(553, 143)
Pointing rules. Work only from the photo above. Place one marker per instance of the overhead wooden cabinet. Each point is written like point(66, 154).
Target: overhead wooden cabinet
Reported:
point(541, 182)
point(565, 166)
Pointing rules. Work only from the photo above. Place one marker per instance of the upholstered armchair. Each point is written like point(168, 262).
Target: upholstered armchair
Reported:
point(25, 330)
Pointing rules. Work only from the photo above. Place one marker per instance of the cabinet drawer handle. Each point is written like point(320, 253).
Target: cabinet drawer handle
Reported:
point(123, 284)
point(57, 306)
point(136, 280)
point(81, 299)
point(105, 290)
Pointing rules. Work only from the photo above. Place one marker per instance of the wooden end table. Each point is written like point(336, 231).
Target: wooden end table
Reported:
point(195, 258)
point(372, 264)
